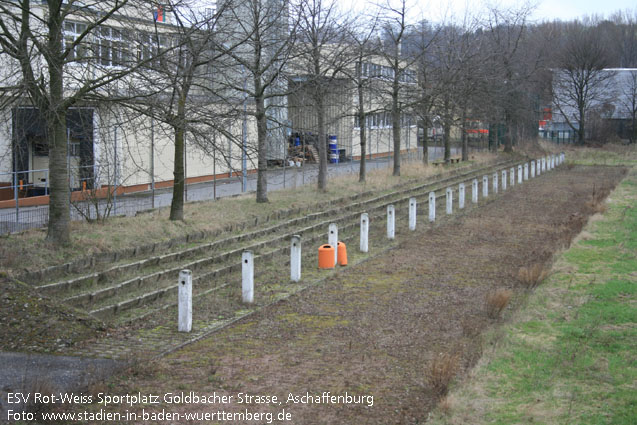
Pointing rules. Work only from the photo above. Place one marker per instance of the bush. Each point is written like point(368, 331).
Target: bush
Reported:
point(496, 301)
point(531, 276)
point(441, 370)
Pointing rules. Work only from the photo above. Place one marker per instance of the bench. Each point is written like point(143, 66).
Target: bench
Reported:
point(442, 162)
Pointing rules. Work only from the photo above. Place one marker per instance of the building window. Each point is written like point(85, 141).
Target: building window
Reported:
point(72, 31)
point(150, 46)
point(112, 49)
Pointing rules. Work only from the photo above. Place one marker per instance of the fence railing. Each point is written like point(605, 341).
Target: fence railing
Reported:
point(92, 197)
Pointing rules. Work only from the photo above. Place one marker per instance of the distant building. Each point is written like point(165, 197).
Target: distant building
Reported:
point(610, 115)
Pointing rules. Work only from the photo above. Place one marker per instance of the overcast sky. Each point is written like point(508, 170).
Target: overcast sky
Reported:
point(436, 10)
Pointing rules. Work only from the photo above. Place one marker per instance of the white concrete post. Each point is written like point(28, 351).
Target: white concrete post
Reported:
point(474, 191)
point(432, 206)
point(485, 186)
point(538, 168)
point(512, 176)
point(332, 239)
point(562, 157)
point(295, 258)
point(412, 213)
point(495, 182)
point(552, 161)
point(548, 163)
point(364, 246)
point(449, 201)
point(519, 174)
point(526, 171)
point(504, 179)
point(391, 222)
point(542, 166)
point(533, 169)
point(247, 277)
point(461, 196)
point(185, 301)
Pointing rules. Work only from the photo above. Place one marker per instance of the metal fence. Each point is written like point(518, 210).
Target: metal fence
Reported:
point(88, 202)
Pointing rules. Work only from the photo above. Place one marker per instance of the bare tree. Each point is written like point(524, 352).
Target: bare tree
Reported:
point(320, 59)
point(395, 28)
point(419, 46)
point(505, 31)
point(361, 39)
point(181, 96)
point(448, 69)
point(51, 44)
point(257, 69)
point(581, 81)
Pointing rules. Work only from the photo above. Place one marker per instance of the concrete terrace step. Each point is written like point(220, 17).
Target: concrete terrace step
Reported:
point(157, 286)
point(92, 278)
point(346, 221)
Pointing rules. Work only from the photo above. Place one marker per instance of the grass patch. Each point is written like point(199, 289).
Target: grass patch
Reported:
point(570, 355)
point(610, 154)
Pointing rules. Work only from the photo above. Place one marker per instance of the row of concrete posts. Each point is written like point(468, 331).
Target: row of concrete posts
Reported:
point(524, 171)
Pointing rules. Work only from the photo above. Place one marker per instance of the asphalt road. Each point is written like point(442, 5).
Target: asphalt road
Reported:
point(30, 373)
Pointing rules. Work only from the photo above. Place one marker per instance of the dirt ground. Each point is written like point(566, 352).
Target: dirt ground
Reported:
point(374, 329)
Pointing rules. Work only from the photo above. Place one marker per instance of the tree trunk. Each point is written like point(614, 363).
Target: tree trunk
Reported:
point(362, 118)
point(465, 139)
point(322, 143)
point(581, 131)
point(447, 137)
point(362, 137)
point(262, 159)
point(177, 204)
point(508, 136)
point(425, 146)
point(395, 114)
point(59, 201)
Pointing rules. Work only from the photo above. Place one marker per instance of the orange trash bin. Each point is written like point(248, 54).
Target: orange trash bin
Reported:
point(326, 257)
point(342, 254)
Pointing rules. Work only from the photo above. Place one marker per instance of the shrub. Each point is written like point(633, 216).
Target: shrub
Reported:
point(496, 301)
point(441, 370)
point(532, 275)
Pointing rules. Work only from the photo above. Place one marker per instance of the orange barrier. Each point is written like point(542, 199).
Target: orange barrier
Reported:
point(342, 254)
point(326, 257)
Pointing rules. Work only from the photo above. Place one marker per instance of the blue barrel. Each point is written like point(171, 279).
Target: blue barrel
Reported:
point(333, 155)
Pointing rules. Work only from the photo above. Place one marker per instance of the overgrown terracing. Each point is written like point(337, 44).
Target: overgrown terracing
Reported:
point(152, 231)
point(145, 288)
point(379, 327)
point(129, 285)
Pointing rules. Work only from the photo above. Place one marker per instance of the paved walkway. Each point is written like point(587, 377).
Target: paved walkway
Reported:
point(28, 373)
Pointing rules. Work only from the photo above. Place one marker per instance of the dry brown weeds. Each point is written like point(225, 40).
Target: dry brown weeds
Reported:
point(496, 301)
point(532, 275)
point(441, 371)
